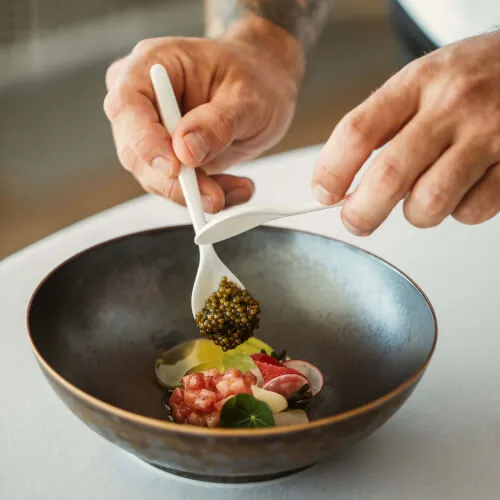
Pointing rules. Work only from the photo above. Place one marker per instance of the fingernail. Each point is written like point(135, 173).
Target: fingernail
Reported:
point(236, 196)
point(206, 201)
point(163, 165)
point(353, 229)
point(322, 195)
point(197, 145)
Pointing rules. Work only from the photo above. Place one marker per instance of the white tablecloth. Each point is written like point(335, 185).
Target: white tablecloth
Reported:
point(443, 444)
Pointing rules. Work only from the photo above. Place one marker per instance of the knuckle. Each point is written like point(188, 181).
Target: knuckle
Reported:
point(112, 105)
point(421, 70)
point(111, 74)
point(354, 128)
point(459, 90)
point(464, 87)
point(117, 99)
point(143, 46)
point(147, 142)
point(390, 176)
point(140, 142)
point(483, 135)
point(332, 178)
point(429, 207)
point(148, 46)
point(477, 139)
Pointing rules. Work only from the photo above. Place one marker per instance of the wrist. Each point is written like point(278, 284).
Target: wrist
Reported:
point(276, 42)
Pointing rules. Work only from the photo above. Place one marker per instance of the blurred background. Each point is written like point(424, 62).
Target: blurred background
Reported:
point(57, 158)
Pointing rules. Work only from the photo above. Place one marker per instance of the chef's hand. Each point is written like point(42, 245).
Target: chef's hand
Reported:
point(237, 95)
point(442, 115)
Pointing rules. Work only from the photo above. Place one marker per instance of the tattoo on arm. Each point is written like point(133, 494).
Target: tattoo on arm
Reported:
point(304, 19)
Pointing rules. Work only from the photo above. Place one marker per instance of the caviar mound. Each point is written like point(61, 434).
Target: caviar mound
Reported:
point(229, 317)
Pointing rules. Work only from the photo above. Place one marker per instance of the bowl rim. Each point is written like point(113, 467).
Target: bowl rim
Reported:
point(165, 425)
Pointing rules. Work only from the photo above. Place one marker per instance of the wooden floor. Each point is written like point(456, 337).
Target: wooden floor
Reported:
point(38, 197)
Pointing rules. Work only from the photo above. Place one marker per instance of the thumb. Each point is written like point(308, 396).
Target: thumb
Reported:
point(207, 130)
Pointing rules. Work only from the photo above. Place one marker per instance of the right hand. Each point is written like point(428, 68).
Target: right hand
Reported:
point(237, 95)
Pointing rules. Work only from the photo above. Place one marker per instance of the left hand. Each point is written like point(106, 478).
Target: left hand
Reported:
point(441, 114)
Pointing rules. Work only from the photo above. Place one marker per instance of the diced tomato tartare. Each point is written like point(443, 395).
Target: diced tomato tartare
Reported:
point(200, 399)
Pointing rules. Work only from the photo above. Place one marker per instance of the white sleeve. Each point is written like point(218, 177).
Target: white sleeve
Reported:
point(446, 21)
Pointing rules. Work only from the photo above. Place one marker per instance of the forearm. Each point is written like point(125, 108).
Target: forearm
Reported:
point(282, 29)
point(303, 19)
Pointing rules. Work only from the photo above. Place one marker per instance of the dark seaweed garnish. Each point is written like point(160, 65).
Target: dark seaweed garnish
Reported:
point(300, 399)
point(279, 356)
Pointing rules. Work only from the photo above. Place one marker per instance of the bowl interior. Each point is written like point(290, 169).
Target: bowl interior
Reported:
point(101, 319)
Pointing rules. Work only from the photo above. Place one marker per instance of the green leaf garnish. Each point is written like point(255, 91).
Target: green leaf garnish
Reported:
point(246, 411)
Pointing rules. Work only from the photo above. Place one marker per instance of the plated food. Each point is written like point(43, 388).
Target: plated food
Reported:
point(98, 322)
point(250, 386)
point(230, 378)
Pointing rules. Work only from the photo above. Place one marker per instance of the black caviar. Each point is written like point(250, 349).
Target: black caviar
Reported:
point(229, 317)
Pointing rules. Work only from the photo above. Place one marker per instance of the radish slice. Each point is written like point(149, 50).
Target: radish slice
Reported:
point(274, 400)
point(291, 417)
point(310, 372)
point(286, 385)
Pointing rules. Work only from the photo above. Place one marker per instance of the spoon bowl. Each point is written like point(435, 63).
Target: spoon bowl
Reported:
point(211, 270)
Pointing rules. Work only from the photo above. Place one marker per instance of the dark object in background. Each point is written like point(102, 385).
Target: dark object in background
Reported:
point(99, 321)
point(414, 43)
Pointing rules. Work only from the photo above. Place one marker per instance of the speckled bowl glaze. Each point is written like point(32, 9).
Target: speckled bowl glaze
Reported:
point(98, 322)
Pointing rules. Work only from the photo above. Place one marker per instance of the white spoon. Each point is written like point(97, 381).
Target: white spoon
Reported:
point(211, 269)
point(238, 220)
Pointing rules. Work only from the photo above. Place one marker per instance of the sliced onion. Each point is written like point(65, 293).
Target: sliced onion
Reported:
point(274, 400)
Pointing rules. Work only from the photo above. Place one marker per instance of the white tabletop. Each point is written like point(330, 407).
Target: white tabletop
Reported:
point(444, 443)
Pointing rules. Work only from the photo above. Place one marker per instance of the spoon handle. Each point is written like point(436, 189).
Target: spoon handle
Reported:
point(311, 206)
point(171, 116)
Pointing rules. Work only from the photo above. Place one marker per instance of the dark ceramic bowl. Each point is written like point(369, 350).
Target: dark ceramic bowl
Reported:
point(98, 322)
